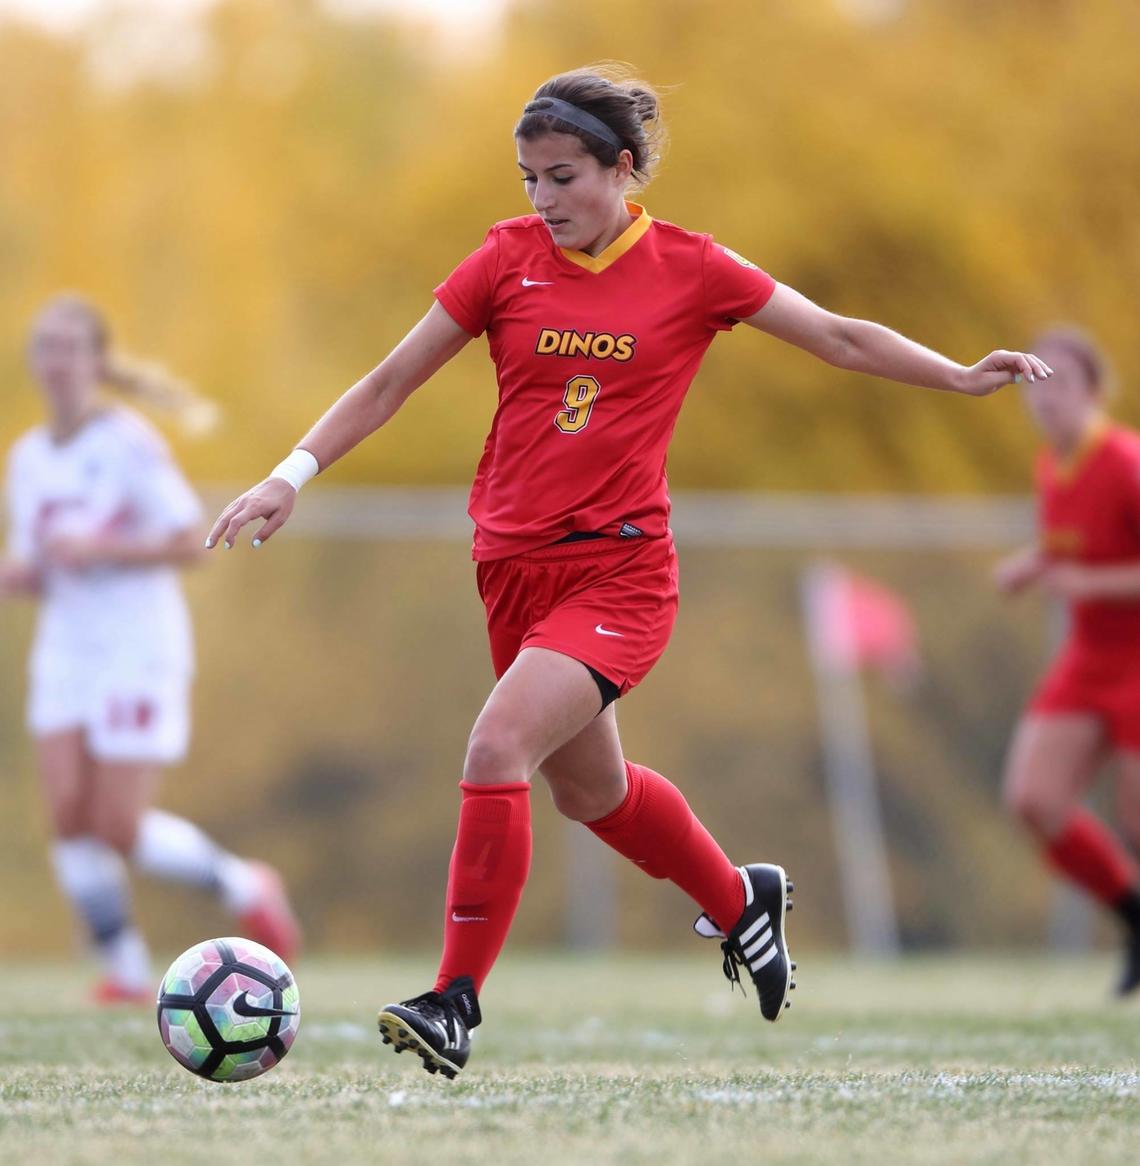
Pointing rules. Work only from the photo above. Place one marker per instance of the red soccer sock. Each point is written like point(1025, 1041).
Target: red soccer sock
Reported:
point(656, 830)
point(1090, 854)
point(485, 881)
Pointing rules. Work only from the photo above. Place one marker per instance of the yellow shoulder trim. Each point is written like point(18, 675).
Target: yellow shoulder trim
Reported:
point(598, 263)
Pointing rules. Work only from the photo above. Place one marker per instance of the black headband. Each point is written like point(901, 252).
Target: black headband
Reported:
point(579, 118)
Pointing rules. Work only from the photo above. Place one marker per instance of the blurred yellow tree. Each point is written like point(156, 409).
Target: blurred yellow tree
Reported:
point(272, 217)
point(268, 207)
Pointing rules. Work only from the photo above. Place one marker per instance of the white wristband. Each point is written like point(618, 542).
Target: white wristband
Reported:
point(297, 468)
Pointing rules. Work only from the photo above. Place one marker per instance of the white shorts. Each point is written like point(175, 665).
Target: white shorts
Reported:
point(136, 713)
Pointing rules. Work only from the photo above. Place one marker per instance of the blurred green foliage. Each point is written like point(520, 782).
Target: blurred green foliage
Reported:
point(272, 216)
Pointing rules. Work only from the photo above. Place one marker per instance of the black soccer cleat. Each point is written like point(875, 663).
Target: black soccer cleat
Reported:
point(436, 1026)
point(1130, 977)
point(757, 942)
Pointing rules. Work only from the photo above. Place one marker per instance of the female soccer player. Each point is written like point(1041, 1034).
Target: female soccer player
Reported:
point(1088, 704)
point(597, 316)
point(101, 519)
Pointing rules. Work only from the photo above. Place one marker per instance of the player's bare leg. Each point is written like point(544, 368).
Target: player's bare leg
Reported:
point(544, 700)
point(586, 776)
point(1128, 796)
point(120, 792)
point(61, 763)
point(173, 849)
point(1052, 761)
point(91, 873)
point(541, 701)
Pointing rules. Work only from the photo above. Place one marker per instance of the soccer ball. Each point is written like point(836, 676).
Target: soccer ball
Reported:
point(228, 1009)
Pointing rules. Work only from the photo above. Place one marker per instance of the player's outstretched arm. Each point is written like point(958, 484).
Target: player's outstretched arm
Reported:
point(181, 549)
point(862, 346)
point(1080, 582)
point(360, 411)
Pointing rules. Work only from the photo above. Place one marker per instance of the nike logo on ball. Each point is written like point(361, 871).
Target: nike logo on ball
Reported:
point(536, 282)
point(605, 631)
point(243, 1007)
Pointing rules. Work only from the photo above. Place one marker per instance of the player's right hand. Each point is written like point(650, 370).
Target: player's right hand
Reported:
point(18, 579)
point(271, 499)
point(1017, 571)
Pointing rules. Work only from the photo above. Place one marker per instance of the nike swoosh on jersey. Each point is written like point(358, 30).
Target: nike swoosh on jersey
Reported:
point(242, 1007)
point(536, 282)
point(605, 631)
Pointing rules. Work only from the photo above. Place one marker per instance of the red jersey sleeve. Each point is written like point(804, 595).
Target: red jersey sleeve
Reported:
point(466, 293)
point(1130, 485)
point(734, 287)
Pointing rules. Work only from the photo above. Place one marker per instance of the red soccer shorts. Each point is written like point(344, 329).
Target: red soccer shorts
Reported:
point(608, 602)
point(1106, 684)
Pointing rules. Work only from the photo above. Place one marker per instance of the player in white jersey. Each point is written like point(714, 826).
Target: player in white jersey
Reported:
point(101, 519)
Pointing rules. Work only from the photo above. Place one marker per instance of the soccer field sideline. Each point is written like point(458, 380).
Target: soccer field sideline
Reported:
point(606, 1059)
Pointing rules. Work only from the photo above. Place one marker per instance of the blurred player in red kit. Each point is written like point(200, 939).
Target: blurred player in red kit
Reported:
point(1088, 704)
point(101, 520)
point(597, 317)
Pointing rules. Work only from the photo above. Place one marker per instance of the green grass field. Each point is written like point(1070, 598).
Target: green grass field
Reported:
point(606, 1060)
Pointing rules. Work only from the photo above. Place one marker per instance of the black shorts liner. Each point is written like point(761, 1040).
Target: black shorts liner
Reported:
point(610, 691)
point(579, 536)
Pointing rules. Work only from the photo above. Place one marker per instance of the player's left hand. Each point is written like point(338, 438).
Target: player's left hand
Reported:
point(1001, 368)
point(75, 554)
point(1070, 581)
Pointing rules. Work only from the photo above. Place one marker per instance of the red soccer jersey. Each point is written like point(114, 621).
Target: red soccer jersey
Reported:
point(593, 357)
point(1089, 512)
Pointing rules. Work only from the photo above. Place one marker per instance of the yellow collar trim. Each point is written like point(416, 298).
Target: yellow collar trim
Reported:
point(598, 263)
point(1067, 468)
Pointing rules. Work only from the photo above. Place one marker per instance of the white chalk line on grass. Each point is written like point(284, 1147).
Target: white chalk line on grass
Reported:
point(935, 1086)
point(575, 1093)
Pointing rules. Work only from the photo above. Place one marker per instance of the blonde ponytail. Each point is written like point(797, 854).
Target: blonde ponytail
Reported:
point(151, 384)
point(144, 381)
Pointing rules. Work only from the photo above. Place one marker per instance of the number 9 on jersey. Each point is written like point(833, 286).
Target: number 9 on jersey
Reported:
point(581, 393)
